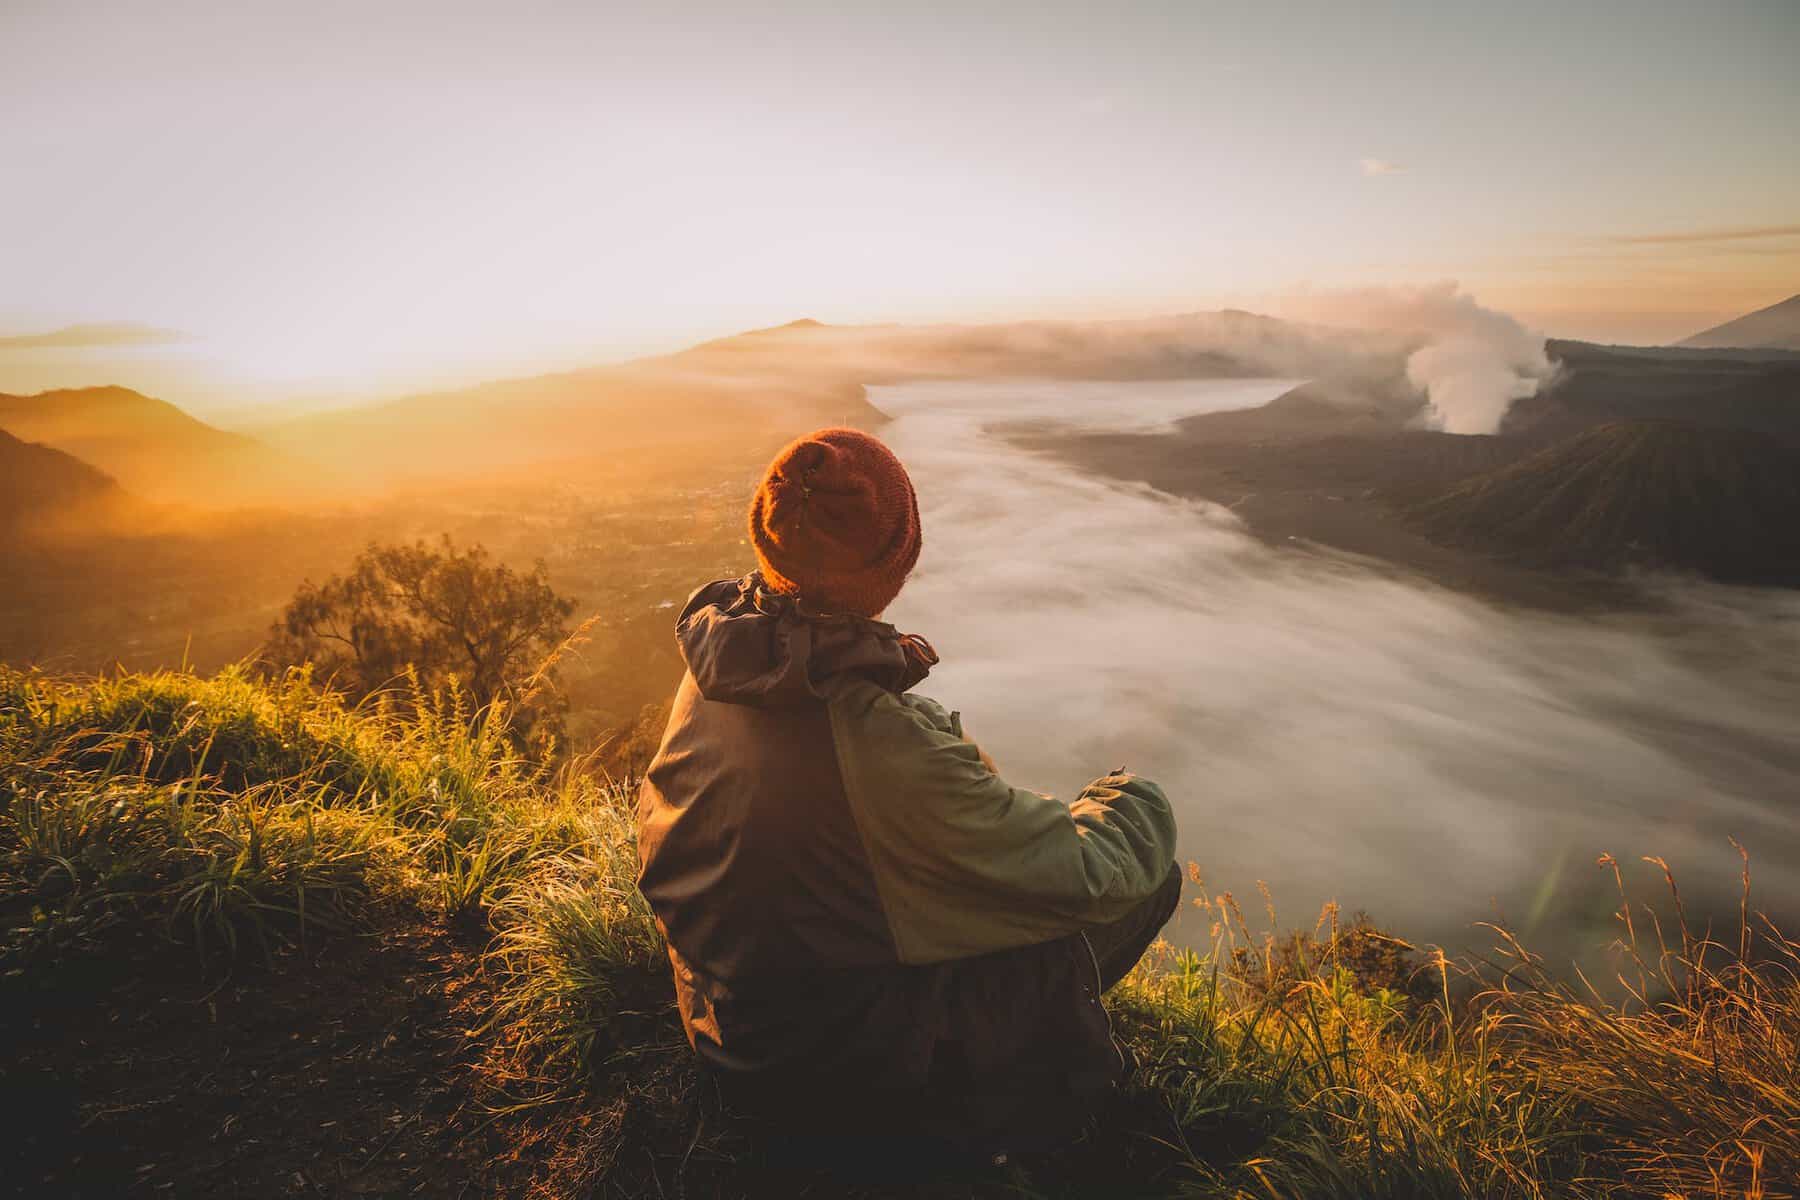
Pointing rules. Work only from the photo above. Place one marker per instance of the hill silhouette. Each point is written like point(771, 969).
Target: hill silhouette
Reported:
point(40, 485)
point(149, 445)
point(1724, 503)
point(1776, 327)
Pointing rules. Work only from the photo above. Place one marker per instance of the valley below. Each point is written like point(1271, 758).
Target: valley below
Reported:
point(1341, 709)
point(1427, 674)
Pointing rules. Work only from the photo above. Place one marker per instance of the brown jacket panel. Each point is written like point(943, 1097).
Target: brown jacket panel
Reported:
point(751, 858)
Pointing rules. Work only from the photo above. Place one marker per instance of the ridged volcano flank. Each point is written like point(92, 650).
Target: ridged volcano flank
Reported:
point(1720, 502)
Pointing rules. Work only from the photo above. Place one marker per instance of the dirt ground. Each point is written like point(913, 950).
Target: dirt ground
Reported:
point(358, 1068)
point(342, 1071)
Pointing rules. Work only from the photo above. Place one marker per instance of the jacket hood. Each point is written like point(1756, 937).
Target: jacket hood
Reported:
point(746, 643)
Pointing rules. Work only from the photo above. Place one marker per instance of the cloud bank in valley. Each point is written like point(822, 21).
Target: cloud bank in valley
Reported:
point(1337, 730)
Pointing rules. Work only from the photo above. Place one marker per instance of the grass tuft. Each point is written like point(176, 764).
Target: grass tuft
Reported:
point(233, 816)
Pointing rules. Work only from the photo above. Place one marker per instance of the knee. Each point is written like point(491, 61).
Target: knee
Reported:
point(1168, 896)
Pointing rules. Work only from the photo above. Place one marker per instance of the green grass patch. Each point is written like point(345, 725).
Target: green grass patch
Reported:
point(229, 816)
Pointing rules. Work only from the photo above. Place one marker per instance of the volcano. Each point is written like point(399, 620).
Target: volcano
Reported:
point(1776, 327)
point(1723, 503)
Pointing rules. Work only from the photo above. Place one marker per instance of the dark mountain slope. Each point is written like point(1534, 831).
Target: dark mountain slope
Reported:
point(1724, 503)
point(150, 445)
point(1776, 327)
point(40, 485)
point(1598, 385)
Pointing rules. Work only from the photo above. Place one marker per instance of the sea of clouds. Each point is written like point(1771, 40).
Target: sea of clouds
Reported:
point(1337, 729)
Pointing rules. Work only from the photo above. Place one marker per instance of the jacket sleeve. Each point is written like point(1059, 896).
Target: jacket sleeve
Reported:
point(964, 862)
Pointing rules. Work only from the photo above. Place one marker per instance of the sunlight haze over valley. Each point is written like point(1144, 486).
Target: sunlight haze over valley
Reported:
point(332, 201)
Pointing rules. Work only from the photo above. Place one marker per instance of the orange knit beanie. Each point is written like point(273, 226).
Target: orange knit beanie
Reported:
point(836, 522)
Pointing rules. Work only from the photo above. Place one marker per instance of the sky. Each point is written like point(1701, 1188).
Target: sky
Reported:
point(265, 200)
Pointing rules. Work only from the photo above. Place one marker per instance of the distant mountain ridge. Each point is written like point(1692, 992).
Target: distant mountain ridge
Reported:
point(40, 485)
point(722, 404)
point(149, 445)
point(1776, 327)
point(751, 391)
point(1721, 502)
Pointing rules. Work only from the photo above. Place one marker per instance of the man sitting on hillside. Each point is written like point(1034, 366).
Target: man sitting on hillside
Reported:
point(873, 934)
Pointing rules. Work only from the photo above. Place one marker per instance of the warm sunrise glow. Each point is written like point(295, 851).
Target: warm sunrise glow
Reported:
point(1164, 598)
point(340, 199)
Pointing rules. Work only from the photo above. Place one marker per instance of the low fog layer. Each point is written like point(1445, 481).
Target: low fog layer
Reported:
point(1324, 725)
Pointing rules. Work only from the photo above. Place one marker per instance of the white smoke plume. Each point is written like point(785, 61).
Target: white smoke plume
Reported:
point(1473, 363)
point(1467, 362)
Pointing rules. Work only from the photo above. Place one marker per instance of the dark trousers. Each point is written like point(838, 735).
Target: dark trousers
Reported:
point(1119, 944)
point(1027, 1060)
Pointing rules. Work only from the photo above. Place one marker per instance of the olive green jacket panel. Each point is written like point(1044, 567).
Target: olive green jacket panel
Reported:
point(965, 863)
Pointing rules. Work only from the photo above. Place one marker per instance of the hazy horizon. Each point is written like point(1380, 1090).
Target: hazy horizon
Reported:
point(241, 205)
point(118, 357)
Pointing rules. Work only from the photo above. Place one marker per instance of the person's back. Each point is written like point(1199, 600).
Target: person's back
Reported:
point(871, 932)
